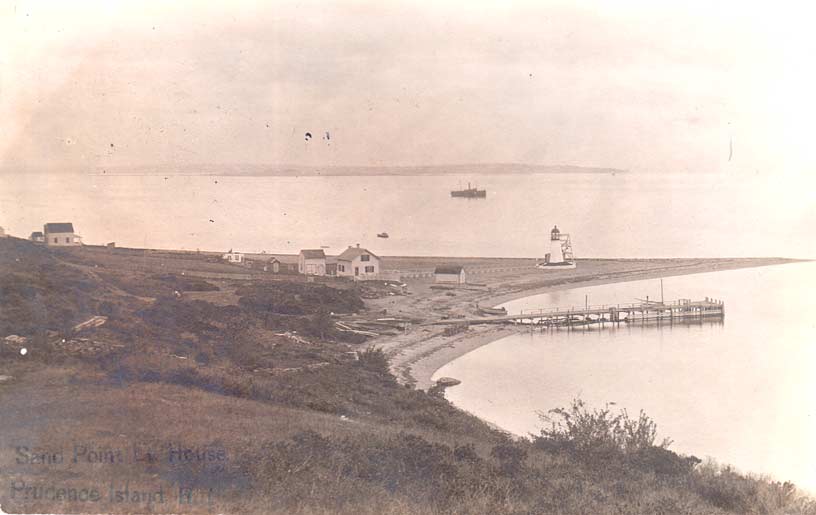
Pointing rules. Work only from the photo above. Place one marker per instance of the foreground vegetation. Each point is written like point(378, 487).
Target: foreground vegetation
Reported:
point(311, 419)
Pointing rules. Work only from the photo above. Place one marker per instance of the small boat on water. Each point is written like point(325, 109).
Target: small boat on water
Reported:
point(382, 235)
point(469, 193)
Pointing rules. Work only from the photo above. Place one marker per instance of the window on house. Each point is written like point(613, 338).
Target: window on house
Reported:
point(364, 257)
point(341, 268)
point(56, 240)
point(369, 269)
point(67, 240)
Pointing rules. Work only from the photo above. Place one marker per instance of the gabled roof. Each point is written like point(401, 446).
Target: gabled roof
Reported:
point(448, 269)
point(58, 227)
point(313, 253)
point(352, 252)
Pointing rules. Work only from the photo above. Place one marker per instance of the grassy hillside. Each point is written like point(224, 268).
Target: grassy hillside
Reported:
point(281, 413)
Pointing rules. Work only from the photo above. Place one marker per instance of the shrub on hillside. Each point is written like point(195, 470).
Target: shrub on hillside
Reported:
point(586, 431)
point(727, 489)
point(374, 360)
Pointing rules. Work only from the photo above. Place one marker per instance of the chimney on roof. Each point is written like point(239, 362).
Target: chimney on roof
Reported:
point(358, 245)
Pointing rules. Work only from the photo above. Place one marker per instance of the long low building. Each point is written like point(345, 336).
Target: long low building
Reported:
point(452, 274)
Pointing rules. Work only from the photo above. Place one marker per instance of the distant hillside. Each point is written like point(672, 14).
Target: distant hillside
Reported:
point(293, 170)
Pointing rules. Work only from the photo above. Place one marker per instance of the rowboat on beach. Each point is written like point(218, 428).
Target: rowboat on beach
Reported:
point(491, 311)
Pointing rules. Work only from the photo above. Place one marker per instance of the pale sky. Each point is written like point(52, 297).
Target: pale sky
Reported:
point(631, 85)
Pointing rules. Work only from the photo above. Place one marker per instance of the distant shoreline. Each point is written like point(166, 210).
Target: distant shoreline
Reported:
point(351, 171)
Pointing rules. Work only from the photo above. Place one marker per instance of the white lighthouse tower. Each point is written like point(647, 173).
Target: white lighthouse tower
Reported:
point(559, 254)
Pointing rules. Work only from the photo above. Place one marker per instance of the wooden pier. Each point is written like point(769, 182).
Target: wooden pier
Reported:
point(676, 311)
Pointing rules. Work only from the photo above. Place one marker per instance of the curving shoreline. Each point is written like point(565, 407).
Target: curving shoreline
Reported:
point(416, 355)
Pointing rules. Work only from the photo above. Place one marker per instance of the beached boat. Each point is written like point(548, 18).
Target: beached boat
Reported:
point(492, 311)
point(469, 193)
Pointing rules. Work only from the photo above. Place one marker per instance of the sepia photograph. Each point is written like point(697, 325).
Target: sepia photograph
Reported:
point(407, 257)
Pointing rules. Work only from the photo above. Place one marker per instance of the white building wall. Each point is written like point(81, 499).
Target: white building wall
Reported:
point(450, 278)
point(311, 266)
point(61, 239)
point(556, 252)
point(359, 263)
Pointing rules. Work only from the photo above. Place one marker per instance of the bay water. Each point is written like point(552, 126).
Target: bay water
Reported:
point(622, 215)
point(741, 391)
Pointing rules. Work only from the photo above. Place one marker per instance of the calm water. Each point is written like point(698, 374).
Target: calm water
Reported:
point(626, 215)
point(742, 392)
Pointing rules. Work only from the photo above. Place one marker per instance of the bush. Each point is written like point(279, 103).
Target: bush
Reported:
point(598, 431)
point(374, 360)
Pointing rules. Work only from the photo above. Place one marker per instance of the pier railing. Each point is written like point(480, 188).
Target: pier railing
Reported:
point(648, 305)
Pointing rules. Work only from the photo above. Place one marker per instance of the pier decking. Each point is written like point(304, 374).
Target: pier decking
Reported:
point(682, 309)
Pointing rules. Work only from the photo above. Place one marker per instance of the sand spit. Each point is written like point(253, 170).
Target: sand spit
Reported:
point(419, 352)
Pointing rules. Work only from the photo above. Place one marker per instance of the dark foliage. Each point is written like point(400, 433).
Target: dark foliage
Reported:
point(290, 298)
point(182, 283)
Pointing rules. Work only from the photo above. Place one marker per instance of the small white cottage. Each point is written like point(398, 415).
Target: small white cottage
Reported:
point(233, 257)
point(358, 263)
point(60, 235)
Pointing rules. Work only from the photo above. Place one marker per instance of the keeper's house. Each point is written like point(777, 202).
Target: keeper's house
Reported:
point(358, 263)
point(60, 235)
point(450, 274)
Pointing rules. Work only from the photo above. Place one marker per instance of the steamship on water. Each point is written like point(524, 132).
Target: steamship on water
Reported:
point(469, 193)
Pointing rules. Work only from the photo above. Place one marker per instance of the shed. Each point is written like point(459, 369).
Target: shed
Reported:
point(312, 262)
point(450, 274)
point(273, 265)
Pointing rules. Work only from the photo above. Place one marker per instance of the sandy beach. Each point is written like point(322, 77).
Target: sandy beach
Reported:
point(419, 352)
